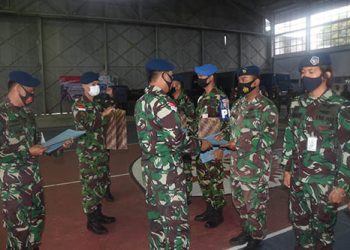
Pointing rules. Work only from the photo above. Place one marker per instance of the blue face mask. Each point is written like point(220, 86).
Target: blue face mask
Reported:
point(310, 84)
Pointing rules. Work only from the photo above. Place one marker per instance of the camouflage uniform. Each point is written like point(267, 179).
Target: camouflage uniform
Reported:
point(210, 175)
point(254, 127)
point(105, 101)
point(315, 173)
point(91, 152)
point(185, 108)
point(20, 180)
point(162, 143)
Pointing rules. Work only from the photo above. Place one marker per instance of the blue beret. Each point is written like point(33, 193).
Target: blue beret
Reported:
point(159, 65)
point(89, 77)
point(24, 79)
point(178, 78)
point(315, 59)
point(206, 69)
point(251, 70)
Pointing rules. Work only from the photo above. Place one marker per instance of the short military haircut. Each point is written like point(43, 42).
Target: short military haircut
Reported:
point(10, 84)
point(153, 75)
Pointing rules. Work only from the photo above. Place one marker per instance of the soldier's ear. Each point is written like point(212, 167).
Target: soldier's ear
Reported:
point(256, 83)
point(327, 75)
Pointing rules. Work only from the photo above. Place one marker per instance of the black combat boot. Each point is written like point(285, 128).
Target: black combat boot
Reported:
point(215, 219)
point(94, 225)
point(240, 240)
point(108, 195)
point(255, 244)
point(103, 218)
point(205, 215)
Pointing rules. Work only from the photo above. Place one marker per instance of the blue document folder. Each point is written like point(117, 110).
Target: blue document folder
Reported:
point(58, 141)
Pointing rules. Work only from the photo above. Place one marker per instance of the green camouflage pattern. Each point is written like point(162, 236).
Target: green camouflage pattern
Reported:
point(186, 111)
point(316, 173)
point(162, 143)
point(253, 128)
point(211, 174)
point(313, 217)
point(106, 101)
point(20, 179)
point(91, 152)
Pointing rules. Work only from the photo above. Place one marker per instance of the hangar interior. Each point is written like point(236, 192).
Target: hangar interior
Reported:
point(56, 39)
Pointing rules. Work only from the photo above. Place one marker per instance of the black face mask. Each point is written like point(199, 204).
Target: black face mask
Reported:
point(310, 84)
point(245, 88)
point(203, 82)
point(168, 82)
point(28, 96)
point(172, 91)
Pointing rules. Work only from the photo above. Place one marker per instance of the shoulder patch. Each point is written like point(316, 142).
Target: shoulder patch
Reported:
point(173, 106)
point(80, 107)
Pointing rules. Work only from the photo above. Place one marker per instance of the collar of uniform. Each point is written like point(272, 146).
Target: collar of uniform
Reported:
point(255, 100)
point(9, 105)
point(155, 89)
point(327, 94)
point(85, 99)
point(212, 92)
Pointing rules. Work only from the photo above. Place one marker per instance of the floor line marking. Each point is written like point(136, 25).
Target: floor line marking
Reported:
point(74, 182)
point(281, 231)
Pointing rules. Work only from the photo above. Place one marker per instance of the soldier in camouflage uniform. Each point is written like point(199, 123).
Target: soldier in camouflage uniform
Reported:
point(162, 142)
point(316, 156)
point(208, 121)
point(91, 151)
point(106, 100)
point(253, 131)
point(20, 179)
point(185, 108)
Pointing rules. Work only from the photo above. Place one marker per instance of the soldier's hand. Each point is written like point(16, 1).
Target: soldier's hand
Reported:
point(67, 143)
point(37, 150)
point(109, 91)
point(231, 145)
point(286, 179)
point(108, 111)
point(206, 145)
point(336, 195)
point(218, 154)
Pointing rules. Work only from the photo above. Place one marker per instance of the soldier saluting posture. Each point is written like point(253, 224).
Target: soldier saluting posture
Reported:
point(163, 142)
point(20, 179)
point(91, 150)
point(316, 156)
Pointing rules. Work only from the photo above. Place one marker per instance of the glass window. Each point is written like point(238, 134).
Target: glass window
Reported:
point(327, 29)
point(289, 26)
point(290, 42)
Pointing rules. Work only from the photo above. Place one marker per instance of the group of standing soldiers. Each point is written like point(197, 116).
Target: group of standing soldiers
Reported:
point(316, 154)
point(20, 179)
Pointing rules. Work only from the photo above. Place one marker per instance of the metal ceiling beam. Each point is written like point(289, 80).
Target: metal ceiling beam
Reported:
point(128, 21)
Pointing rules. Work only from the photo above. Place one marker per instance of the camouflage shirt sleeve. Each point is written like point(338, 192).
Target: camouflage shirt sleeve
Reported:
point(190, 114)
point(342, 179)
point(288, 145)
point(175, 138)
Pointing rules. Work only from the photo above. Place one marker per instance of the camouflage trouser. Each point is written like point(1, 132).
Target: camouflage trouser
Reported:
point(167, 206)
point(94, 177)
point(211, 180)
point(250, 200)
point(23, 206)
point(187, 163)
point(107, 177)
point(313, 217)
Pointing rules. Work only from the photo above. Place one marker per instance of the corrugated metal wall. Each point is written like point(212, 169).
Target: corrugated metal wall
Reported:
point(49, 46)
